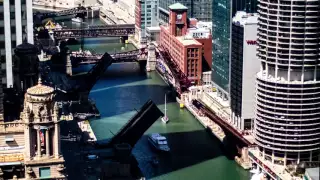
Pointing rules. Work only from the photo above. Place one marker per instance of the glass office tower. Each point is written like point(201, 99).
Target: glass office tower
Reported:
point(222, 13)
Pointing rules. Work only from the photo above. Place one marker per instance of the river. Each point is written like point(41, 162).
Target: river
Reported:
point(195, 153)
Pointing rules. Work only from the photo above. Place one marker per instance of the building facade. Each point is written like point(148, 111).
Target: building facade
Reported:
point(202, 33)
point(200, 9)
point(30, 146)
point(287, 118)
point(185, 45)
point(244, 66)
point(146, 15)
point(222, 13)
point(185, 51)
point(16, 23)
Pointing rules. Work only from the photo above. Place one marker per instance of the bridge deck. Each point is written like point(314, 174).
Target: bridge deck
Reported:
point(99, 31)
point(132, 131)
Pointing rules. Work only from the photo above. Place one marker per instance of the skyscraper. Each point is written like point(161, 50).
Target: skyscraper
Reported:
point(287, 121)
point(145, 16)
point(244, 66)
point(200, 9)
point(16, 21)
point(222, 13)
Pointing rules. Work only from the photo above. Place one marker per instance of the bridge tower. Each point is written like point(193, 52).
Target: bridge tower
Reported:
point(151, 60)
point(68, 65)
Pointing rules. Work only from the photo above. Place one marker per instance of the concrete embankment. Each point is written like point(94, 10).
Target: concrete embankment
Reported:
point(206, 122)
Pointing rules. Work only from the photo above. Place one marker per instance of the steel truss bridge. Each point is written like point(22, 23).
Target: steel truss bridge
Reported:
point(96, 31)
point(128, 56)
point(182, 83)
point(73, 11)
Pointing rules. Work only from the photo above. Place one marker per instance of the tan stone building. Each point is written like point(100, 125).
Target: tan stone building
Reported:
point(30, 146)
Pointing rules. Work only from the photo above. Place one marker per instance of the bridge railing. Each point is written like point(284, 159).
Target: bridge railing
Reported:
point(111, 26)
point(79, 33)
point(127, 56)
point(76, 10)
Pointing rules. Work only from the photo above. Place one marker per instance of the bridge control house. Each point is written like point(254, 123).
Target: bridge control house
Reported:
point(187, 42)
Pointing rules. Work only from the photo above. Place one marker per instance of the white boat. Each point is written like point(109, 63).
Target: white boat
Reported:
point(159, 142)
point(77, 19)
point(165, 118)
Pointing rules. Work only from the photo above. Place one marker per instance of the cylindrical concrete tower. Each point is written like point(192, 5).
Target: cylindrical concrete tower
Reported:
point(287, 123)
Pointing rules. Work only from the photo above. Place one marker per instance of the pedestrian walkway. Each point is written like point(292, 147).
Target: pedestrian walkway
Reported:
point(222, 109)
point(278, 170)
point(206, 122)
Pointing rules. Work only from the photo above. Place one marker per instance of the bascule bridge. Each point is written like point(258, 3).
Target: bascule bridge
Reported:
point(148, 57)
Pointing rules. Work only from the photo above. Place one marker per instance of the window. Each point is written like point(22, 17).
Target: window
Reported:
point(13, 44)
point(9, 138)
point(44, 172)
point(12, 15)
point(13, 29)
point(2, 45)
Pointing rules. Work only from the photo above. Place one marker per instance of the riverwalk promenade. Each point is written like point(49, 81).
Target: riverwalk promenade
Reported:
point(274, 170)
point(206, 122)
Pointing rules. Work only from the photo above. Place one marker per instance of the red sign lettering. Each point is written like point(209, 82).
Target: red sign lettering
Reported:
point(251, 42)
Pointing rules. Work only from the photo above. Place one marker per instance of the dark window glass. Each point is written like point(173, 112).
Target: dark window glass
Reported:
point(13, 30)
point(13, 44)
point(12, 15)
point(2, 58)
point(2, 46)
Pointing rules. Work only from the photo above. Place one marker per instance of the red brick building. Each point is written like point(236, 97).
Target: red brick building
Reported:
point(186, 51)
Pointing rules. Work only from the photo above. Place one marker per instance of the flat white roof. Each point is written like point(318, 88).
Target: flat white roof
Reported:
point(188, 41)
point(314, 173)
point(243, 18)
point(154, 28)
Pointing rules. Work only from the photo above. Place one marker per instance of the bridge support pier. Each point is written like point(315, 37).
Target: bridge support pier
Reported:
point(123, 39)
point(68, 66)
point(151, 60)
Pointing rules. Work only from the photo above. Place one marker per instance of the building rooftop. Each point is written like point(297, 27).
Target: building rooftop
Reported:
point(153, 28)
point(186, 41)
point(242, 18)
point(178, 6)
point(40, 89)
point(313, 173)
point(26, 48)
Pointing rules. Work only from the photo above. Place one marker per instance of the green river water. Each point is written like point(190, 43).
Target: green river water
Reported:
point(195, 153)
